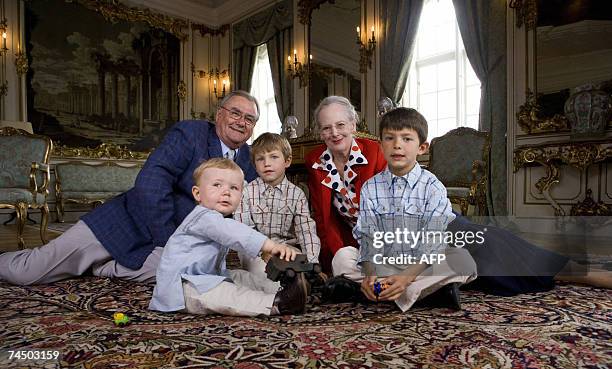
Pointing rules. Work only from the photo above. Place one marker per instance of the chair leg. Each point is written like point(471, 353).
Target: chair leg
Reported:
point(465, 205)
point(22, 214)
point(59, 210)
point(482, 205)
point(14, 215)
point(43, 223)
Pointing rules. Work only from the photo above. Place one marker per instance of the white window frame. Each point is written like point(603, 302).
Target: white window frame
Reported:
point(412, 93)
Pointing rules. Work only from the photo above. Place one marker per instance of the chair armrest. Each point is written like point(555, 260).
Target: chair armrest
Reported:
point(45, 169)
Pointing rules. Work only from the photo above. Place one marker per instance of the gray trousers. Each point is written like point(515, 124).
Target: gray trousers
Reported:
point(71, 254)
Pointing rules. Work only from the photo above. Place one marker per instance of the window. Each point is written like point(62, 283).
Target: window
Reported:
point(263, 90)
point(441, 82)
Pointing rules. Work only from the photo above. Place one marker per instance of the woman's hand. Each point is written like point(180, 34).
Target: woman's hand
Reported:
point(270, 248)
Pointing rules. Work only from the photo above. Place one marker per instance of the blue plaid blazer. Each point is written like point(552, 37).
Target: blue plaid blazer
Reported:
point(132, 224)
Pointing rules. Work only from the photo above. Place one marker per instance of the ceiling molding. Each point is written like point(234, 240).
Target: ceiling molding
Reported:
point(234, 10)
point(196, 11)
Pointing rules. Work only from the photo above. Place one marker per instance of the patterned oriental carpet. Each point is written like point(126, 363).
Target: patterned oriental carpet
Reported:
point(570, 327)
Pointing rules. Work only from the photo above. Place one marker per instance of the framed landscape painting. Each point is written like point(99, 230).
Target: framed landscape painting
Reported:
point(95, 81)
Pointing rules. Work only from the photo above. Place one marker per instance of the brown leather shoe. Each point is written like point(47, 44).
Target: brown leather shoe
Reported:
point(292, 299)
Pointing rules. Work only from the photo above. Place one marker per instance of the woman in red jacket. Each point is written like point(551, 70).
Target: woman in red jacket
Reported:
point(336, 172)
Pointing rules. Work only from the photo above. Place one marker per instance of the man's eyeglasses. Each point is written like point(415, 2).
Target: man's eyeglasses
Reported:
point(236, 115)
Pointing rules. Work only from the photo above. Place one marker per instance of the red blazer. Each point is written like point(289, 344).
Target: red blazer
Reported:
point(331, 229)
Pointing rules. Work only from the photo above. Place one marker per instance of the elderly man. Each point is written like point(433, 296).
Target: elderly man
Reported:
point(124, 237)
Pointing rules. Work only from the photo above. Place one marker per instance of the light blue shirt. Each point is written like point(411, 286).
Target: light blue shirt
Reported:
point(196, 253)
point(414, 202)
point(225, 149)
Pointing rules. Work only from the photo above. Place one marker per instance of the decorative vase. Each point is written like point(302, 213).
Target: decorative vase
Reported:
point(289, 128)
point(588, 110)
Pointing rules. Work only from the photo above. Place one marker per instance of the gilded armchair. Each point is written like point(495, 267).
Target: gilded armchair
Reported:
point(24, 176)
point(460, 159)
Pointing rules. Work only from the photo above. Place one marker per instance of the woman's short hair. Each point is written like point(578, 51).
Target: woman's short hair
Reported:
point(340, 100)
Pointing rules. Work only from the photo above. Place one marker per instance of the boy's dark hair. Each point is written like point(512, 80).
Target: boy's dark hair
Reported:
point(267, 142)
point(400, 118)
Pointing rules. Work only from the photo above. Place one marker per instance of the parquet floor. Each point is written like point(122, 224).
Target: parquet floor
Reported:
point(31, 236)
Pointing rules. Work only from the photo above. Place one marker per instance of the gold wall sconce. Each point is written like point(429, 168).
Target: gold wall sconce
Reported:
point(215, 91)
point(3, 28)
point(4, 48)
point(299, 70)
point(366, 51)
point(215, 75)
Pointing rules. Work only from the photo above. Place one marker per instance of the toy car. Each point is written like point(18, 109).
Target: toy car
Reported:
point(283, 271)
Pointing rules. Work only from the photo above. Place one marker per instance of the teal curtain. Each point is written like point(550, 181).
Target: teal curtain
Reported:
point(482, 24)
point(279, 47)
point(400, 19)
point(272, 26)
point(244, 63)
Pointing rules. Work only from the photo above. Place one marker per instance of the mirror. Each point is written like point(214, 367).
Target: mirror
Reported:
point(572, 47)
point(335, 55)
